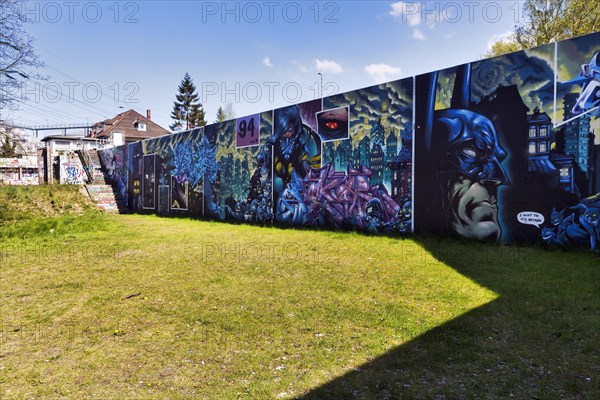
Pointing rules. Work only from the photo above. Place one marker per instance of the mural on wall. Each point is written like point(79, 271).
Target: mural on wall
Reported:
point(149, 181)
point(295, 148)
point(179, 195)
point(247, 171)
point(576, 146)
point(114, 165)
point(134, 174)
point(472, 128)
point(334, 124)
point(247, 131)
point(223, 134)
point(505, 149)
point(367, 180)
point(179, 169)
point(498, 166)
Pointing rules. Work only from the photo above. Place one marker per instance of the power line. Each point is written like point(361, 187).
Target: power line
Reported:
point(75, 102)
point(45, 112)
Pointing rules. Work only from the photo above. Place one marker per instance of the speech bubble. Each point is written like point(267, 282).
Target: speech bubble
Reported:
point(531, 218)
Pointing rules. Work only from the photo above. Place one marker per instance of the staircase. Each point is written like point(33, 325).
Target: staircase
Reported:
point(97, 174)
point(106, 198)
point(91, 164)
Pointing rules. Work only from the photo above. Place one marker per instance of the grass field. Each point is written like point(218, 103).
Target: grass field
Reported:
point(130, 306)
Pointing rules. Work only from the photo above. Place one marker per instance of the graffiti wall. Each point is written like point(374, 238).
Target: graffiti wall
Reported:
point(114, 166)
point(19, 171)
point(509, 151)
point(367, 178)
point(501, 149)
point(71, 171)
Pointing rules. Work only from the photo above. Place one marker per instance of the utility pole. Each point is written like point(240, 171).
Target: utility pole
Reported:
point(321, 89)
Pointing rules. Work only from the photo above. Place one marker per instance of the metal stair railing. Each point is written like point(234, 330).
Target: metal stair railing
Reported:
point(88, 165)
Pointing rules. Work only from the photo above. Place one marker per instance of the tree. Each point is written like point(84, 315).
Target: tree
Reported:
point(229, 111)
point(224, 114)
point(14, 144)
point(18, 60)
point(8, 147)
point(187, 111)
point(220, 115)
point(503, 47)
point(548, 21)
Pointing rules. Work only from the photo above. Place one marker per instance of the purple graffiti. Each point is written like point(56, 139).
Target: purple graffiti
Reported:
point(347, 198)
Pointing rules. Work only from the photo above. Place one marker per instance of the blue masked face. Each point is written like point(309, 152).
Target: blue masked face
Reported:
point(288, 126)
point(288, 145)
point(472, 145)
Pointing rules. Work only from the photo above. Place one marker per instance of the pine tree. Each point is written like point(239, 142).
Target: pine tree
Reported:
point(220, 115)
point(225, 113)
point(187, 110)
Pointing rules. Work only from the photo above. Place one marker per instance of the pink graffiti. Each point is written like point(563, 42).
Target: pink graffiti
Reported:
point(344, 196)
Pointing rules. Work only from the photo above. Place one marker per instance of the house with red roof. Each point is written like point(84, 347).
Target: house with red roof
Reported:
point(127, 127)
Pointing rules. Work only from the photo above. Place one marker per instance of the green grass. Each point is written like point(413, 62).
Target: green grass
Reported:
point(26, 202)
point(29, 212)
point(146, 307)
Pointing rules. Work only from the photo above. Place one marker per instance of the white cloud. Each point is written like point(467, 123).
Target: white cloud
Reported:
point(417, 15)
point(397, 9)
point(328, 66)
point(418, 34)
point(267, 62)
point(409, 12)
point(382, 72)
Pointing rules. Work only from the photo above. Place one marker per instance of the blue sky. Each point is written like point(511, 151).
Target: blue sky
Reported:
point(103, 55)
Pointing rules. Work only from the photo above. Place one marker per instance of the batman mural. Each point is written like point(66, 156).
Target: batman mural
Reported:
point(497, 158)
point(464, 170)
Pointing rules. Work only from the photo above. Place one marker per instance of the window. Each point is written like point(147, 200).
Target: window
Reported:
point(532, 148)
point(532, 131)
point(140, 126)
point(543, 131)
point(564, 172)
point(543, 147)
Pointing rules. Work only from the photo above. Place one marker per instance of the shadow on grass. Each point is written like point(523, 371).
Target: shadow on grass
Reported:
point(538, 340)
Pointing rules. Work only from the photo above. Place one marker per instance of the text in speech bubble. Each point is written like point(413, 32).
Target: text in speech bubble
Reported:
point(530, 218)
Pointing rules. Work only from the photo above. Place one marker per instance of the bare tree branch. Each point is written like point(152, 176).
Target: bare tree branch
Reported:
point(18, 60)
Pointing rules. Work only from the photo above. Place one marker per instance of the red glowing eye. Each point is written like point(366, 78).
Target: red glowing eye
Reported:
point(331, 125)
